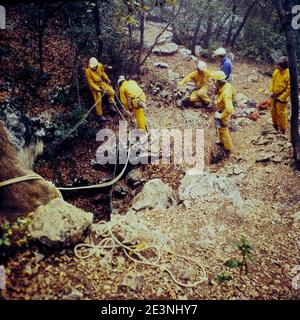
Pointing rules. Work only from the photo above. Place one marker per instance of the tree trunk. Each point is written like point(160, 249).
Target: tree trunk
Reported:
point(291, 49)
point(197, 29)
point(98, 29)
point(285, 15)
point(247, 15)
point(41, 35)
point(219, 27)
point(234, 10)
point(208, 31)
point(142, 34)
point(21, 197)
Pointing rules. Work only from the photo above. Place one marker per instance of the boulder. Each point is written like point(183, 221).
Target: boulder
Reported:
point(59, 224)
point(155, 195)
point(265, 156)
point(186, 53)
point(297, 219)
point(168, 49)
point(200, 186)
point(134, 178)
point(161, 65)
point(198, 51)
point(243, 105)
point(167, 36)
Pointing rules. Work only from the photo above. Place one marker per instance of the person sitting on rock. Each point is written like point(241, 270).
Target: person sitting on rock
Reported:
point(280, 89)
point(201, 78)
point(98, 82)
point(225, 93)
point(133, 99)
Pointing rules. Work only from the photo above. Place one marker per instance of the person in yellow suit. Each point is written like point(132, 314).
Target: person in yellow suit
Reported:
point(226, 93)
point(201, 78)
point(98, 81)
point(280, 89)
point(133, 99)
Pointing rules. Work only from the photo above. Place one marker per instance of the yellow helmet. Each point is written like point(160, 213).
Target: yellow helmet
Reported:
point(219, 75)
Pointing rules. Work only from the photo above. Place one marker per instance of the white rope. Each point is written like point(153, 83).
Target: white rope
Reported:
point(110, 243)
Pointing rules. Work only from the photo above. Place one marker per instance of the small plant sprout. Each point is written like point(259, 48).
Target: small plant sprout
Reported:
point(246, 252)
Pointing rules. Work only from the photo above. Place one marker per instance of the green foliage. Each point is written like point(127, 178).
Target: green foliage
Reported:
point(261, 47)
point(232, 264)
point(4, 237)
point(13, 236)
point(246, 253)
point(63, 122)
point(224, 277)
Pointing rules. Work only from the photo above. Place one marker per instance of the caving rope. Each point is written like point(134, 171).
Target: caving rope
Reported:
point(110, 242)
point(29, 177)
point(35, 176)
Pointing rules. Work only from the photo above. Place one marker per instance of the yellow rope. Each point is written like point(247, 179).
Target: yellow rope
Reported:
point(110, 242)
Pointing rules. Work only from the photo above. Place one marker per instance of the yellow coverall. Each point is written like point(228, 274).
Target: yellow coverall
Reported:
point(201, 80)
point(131, 94)
point(281, 88)
point(225, 107)
point(96, 81)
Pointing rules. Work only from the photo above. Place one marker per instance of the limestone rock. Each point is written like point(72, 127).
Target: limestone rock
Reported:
point(244, 106)
point(201, 186)
point(161, 65)
point(186, 53)
point(59, 224)
point(134, 178)
point(166, 49)
point(167, 36)
point(297, 219)
point(198, 51)
point(155, 195)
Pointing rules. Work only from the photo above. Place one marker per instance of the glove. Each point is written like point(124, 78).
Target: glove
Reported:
point(218, 115)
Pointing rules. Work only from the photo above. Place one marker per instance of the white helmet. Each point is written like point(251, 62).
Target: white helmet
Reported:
point(221, 52)
point(201, 65)
point(93, 62)
point(120, 80)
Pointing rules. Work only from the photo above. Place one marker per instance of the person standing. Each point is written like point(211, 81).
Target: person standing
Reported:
point(98, 82)
point(225, 94)
point(280, 89)
point(133, 99)
point(226, 63)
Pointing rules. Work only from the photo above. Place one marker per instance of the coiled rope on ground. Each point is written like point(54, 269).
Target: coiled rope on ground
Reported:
point(110, 243)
